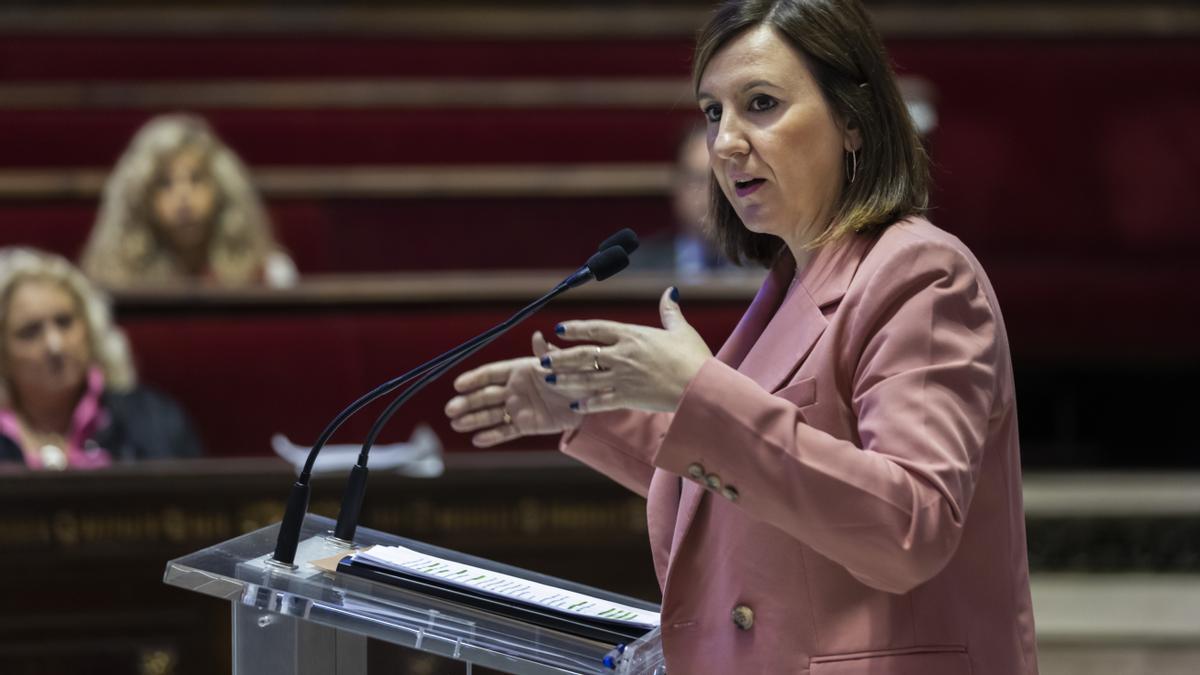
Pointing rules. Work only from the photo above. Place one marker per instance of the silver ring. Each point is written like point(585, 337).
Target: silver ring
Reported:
point(507, 417)
point(596, 360)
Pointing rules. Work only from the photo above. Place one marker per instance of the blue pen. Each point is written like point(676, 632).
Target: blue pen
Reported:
point(610, 659)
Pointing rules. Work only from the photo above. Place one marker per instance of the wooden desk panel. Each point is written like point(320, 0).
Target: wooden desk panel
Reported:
point(82, 554)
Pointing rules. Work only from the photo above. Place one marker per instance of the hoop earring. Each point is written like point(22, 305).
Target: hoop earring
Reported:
point(852, 166)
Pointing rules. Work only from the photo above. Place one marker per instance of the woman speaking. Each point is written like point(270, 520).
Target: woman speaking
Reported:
point(838, 490)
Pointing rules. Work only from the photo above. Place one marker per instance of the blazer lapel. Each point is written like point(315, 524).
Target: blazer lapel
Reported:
point(785, 341)
point(758, 315)
point(799, 322)
point(772, 339)
point(735, 349)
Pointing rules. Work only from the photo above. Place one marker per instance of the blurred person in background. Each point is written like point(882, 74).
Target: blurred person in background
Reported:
point(695, 254)
point(68, 392)
point(181, 206)
point(837, 491)
point(686, 249)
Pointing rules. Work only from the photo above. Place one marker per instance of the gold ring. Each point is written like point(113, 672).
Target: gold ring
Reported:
point(507, 417)
point(596, 360)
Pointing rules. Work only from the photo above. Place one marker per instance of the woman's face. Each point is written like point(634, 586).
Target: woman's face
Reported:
point(775, 145)
point(46, 348)
point(184, 201)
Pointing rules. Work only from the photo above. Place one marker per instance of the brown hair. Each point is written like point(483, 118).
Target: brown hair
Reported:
point(854, 75)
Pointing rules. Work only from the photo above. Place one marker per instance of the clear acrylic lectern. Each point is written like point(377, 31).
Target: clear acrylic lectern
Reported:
point(304, 621)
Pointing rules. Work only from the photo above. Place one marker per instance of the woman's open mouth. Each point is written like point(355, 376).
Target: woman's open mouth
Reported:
point(748, 186)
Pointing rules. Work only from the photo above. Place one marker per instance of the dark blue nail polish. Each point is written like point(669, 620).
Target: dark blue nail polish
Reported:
point(551, 378)
point(545, 361)
point(560, 329)
point(674, 294)
point(574, 405)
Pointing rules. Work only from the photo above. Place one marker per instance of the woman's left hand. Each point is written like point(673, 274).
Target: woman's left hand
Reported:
point(631, 366)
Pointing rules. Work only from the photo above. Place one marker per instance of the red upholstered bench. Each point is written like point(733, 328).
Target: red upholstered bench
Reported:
point(331, 236)
point(1035, 155)
point(250, 364)
point(247, 365)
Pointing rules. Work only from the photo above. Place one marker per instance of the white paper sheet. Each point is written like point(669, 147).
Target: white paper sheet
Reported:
point(505, 586)
point(420, 457)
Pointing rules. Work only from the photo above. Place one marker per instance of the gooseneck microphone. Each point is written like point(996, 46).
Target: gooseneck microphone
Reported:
point(626, 238)
point(600, 266)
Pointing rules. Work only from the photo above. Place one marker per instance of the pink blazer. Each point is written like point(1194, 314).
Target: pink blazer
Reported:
point(850, 500)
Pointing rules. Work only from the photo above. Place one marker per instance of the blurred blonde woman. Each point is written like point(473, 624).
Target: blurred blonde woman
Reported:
point(180, 206)
point(68, 392)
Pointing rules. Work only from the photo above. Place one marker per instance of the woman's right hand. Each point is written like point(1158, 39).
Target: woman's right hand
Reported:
point(517, 387)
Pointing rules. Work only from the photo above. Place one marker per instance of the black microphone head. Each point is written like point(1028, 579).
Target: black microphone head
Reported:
point(608, 262)
point(627, 239)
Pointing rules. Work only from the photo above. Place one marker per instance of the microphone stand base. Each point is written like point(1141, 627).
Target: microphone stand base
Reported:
point(288, 567)
point(339, 542)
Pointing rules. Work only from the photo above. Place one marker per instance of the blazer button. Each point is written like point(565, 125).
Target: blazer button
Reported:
point(696, 470)
point(743, 617)
point(730, 493)
point(713, 481)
